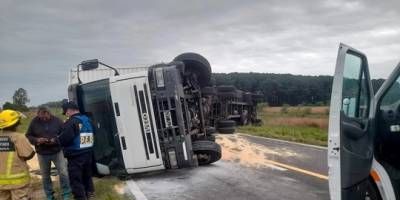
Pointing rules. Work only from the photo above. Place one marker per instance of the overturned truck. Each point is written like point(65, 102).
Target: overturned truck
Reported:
point(147, 118)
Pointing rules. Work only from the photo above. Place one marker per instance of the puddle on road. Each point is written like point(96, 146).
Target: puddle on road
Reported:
point(238, 149)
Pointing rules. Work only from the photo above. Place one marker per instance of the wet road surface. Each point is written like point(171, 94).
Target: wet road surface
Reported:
point(234, 180)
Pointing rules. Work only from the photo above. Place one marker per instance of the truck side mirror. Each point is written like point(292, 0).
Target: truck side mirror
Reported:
point(90, 64)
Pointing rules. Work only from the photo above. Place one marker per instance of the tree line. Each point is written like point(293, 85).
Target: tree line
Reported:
point(280, 89)
point(20, 100)
point(276, 89)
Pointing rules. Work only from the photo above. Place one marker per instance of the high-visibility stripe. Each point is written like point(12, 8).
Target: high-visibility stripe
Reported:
point(10, 160)
point(18, 181)
point(11, 176)
point(13, 179)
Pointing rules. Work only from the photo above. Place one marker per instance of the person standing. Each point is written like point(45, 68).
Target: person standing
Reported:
point(41, 129)
point(77, 138)
point(15, 150)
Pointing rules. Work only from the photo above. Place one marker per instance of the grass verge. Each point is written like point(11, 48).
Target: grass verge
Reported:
point(308, 135)
point(110, 188)
point(106, 188)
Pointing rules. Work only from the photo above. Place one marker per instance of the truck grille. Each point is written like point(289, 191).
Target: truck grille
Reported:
point(146, 121)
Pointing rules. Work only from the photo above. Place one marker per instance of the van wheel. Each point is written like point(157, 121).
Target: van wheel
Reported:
point(207, 151)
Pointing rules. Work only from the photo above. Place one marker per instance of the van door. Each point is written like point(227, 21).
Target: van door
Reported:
point(136, 125)
point(350, 145)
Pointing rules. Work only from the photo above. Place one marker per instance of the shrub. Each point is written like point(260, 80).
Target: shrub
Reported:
point(285, 108)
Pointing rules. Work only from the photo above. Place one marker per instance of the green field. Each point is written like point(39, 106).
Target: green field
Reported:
point(299, 124)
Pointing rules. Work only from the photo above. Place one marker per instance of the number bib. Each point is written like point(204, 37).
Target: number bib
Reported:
point(86, 140)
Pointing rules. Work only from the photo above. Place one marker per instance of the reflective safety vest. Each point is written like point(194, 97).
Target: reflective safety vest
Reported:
point(85, 139)
point(14, 172)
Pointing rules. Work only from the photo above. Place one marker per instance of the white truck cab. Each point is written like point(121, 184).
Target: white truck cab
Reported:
point(364, 132)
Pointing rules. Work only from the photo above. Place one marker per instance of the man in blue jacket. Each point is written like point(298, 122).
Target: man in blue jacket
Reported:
point(77, 139)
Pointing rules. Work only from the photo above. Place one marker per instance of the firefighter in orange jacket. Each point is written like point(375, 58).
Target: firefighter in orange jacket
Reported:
point(15, 150)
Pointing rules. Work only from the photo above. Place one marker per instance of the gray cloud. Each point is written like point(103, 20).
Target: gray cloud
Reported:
point(42, 41)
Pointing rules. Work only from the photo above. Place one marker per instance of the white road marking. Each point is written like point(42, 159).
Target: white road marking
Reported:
point(135, 190)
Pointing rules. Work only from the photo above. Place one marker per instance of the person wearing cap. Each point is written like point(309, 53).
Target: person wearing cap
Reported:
point(77, 138)
point(41, 129)
point(15, 150)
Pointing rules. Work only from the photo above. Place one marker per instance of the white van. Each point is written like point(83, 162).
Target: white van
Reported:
point(364, 132)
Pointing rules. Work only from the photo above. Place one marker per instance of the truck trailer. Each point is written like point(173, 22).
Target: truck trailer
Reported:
point(227, 106)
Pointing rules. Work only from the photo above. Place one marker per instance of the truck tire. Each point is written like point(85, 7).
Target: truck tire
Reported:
point(197, 64)
point(211, 138)
point(208, 91)
point(226, 88)
point(226, 124)
point(227, 94)
point(210, 130)
point(207, 151)
point(227, 130)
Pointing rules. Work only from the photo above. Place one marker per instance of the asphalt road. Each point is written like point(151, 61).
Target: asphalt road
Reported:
point(232, 180)
point(309, 157)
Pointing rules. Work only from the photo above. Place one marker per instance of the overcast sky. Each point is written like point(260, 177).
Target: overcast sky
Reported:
point(40, 41)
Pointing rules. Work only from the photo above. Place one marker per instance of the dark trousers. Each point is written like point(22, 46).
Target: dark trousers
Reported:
point(80, 175)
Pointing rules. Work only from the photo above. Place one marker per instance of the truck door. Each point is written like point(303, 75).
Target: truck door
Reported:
point(350, 144)
point(136, 125)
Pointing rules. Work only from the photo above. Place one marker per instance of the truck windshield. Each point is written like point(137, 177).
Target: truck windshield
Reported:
point(94, 99)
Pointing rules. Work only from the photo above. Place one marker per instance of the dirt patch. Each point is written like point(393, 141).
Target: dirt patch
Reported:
point(236, 148)
point(120, 188)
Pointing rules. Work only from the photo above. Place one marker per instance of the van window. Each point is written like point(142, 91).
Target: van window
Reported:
point(355, 97)
point(393, 94)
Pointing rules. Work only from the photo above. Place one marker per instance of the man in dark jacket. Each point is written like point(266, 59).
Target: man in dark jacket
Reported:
point(41, 129)
point(77, 139)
